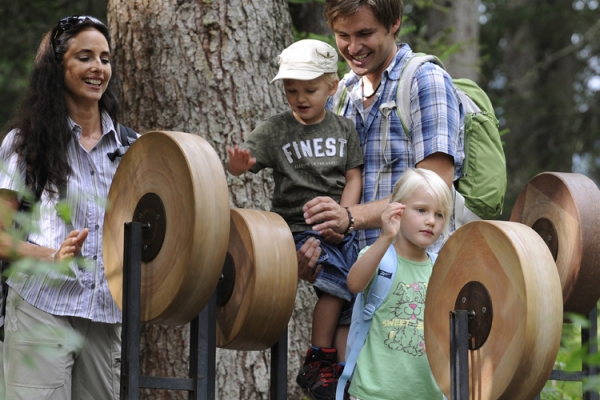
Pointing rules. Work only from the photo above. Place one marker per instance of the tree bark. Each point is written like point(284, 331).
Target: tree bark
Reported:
point(204, 67)
point(458, 20)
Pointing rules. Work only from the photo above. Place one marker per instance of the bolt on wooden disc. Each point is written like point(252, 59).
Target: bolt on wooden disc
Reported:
point(177, 184)
point(564, 209)
point(519, 275)
point(255, 309)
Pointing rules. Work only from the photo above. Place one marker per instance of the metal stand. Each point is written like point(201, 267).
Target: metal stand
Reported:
point(470, 324)
point(459, 354)
point(279, 368)
point(589, 336)
point(201, 381)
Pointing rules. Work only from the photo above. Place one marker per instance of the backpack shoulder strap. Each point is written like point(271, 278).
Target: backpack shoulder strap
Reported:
point(339, 98)
point(404, 84)
point(375, 296)
point(433, 256)
point(127, 137)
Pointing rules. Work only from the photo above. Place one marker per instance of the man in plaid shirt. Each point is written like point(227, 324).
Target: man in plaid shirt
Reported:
point(365, 32)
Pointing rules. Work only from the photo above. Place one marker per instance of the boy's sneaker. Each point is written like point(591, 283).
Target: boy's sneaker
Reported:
point(318, 375)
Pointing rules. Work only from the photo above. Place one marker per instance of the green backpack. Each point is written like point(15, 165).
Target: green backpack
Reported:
point(483, 179)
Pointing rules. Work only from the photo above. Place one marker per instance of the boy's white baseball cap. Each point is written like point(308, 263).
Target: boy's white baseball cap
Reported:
point(306, 59)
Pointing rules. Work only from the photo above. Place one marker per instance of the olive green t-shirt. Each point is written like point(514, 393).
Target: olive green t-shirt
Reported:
point(307, 160)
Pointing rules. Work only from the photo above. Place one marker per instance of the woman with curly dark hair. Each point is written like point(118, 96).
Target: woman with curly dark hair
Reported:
point(63, 329)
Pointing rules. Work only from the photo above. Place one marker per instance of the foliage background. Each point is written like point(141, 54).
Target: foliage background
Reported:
point(539, 63)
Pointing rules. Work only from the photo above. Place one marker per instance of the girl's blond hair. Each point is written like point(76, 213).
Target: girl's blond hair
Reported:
point(420, 178)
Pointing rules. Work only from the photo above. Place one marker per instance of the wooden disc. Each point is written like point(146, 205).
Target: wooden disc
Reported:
point(517, 270)
point(184, 173)
point(262, 253)
point(564, 209)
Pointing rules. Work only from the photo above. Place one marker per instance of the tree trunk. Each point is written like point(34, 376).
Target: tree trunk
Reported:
point(458, 20)
point(204, 67)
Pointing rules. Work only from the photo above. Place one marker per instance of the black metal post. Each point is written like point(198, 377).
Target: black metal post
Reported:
point(130, 337)
point(459, 354)
point(203, 351)
point(590, 336)
point(279, 368)
point(201, 381)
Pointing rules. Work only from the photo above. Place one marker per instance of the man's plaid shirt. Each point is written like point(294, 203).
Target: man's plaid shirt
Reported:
point(438, 126)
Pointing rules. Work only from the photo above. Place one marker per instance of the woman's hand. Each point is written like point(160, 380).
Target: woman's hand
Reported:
point(71, 246)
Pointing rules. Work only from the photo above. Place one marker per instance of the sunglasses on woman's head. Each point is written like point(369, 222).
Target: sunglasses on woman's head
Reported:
point(68, 23)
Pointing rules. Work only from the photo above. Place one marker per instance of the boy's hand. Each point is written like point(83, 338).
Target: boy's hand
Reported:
point(240, 160)
point(391, 219)
point(308, 255)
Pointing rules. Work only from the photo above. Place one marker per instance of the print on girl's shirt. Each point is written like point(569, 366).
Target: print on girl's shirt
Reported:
point(406, 332)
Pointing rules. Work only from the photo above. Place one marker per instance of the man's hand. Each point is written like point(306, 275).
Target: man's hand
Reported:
point(308, 254)
point(331, 236)
point(325, 213)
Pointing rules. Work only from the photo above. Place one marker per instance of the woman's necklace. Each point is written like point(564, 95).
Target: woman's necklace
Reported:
point(372, 94)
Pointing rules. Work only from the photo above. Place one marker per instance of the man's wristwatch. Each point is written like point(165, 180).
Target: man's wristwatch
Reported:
point(350, 222)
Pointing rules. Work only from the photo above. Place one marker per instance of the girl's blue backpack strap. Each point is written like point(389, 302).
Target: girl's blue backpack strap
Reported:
point(361, 321)
point(433, 256)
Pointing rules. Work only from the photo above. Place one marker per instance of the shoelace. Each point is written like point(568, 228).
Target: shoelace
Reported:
point(327, 373)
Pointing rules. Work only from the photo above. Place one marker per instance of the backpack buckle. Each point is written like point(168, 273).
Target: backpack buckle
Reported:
point(368, 312)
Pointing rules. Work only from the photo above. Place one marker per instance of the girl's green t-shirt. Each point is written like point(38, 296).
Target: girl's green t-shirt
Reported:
point(393, 364)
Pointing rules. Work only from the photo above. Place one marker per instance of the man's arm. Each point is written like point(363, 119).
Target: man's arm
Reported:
point(326, 213)
point(350, 197)
point(440, 163)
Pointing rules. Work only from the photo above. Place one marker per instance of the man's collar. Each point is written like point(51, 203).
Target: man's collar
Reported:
point(393, 71)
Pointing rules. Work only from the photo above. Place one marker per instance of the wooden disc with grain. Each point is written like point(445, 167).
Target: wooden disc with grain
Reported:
point(564, 209)
point(183, 172)
point(517, 270)
point(262, 255)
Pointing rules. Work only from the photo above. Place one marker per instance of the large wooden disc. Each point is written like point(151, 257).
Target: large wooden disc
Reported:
point(516, 268)
point(564, 209)
point(263, 255)
point(184, 172)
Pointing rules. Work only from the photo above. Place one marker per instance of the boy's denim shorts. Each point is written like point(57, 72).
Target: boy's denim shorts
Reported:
point(336, 260)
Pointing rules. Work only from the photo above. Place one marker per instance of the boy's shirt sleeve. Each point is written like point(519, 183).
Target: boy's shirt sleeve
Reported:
point(259, 145)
